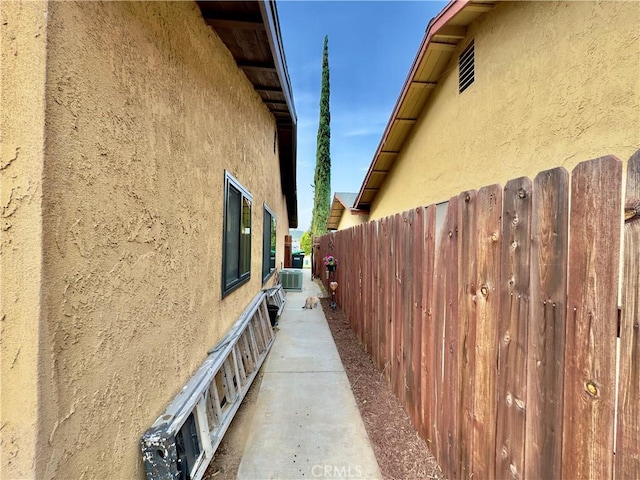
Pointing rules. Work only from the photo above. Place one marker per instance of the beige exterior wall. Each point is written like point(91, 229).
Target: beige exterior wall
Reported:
point(349, 220)
point(555, 84)
point(24, 40)
point(119, 298)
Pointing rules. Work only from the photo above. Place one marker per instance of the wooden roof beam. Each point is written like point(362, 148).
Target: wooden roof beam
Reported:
point(257, 66)
point(407, 121)
point(442, 47)
point(244, 24)
point(451, 32)
point(267, 89)
point(478, 7)
point(425, 85)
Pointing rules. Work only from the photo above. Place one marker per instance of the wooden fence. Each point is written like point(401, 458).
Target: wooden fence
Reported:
point(494, 318)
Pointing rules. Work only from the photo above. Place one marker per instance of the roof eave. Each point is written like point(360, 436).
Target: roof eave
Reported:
point(435, 25)
point(230, 20)
point(287, 156)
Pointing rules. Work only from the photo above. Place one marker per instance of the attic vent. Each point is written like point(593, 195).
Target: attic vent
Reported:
point(466, 68)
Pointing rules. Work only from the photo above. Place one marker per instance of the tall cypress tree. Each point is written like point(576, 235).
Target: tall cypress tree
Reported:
point(322, 177)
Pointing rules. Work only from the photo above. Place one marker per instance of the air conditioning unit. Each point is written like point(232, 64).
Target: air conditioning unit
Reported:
point(291, 279)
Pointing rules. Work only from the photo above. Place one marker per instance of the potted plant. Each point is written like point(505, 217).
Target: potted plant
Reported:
point(330, 262)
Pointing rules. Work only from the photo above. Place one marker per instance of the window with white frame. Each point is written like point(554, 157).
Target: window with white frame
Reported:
point(236, 248)
point(268, 244)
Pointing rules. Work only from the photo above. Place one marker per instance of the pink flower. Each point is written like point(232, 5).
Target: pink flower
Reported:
point(330, 260)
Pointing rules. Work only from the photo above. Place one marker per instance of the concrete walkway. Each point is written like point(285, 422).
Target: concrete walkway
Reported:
point(306, 423)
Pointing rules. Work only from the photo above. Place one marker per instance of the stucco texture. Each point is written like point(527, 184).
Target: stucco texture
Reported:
point(556, 83)
point(348, 220)
point(23, 47)
point(142, 109)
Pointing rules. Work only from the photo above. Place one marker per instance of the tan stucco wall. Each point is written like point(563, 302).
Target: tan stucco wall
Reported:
point(145, 110)
point(22, 97)
point(349, 220)
point(555, 84)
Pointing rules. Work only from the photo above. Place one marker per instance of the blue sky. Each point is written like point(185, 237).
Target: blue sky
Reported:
point(372, 45)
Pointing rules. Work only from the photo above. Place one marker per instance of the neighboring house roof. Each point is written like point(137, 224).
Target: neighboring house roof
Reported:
point(251, 32)
point(441, 39)
point(341, 201)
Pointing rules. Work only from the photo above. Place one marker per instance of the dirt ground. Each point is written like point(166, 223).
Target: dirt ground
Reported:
point(401, 454)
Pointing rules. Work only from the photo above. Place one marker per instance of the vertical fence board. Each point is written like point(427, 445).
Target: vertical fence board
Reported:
point(357, 244)
point(371, 232)
point(488, 222)
point(393, 301)
point(345, 249)
point(378, 296)
point(440, 304)
point(357, 279)
point(450, 357)
point(467, 235)
point(395, 321)
point(546, 333)
point(384, 298)
point(378, 314)
point(360, 254)
point(399, 314)
point(407, 310)
point(428, 336)
point(349, 275)
point(512, 329)
point(417, 281)
point(374, 266)
point(353, 272)
point(388, 306)
point(368, 259)
point(380, 319)
point(398, 308)
point(628, 434)
point(344, 275)
point(589, 390)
